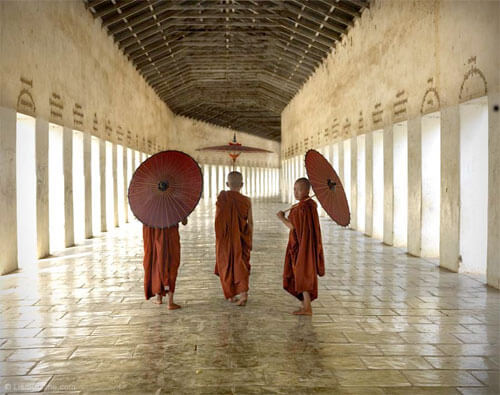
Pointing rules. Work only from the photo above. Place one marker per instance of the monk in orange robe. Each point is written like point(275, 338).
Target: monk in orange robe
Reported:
point(304, 260)
point(233, 240)
point(162, 257)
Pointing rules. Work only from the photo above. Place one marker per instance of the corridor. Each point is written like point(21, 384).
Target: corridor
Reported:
point(384, 321)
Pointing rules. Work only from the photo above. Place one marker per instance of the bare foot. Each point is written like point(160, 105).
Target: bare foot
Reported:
point(173, 306)
point(159, 299)
point(234, 299)
point(303, 312)
point(242, 302)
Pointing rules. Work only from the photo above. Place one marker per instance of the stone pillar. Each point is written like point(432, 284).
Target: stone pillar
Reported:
point(493, 257)
point(42, 187)
point(102, 171)
point(354, 183)
point(415, 186)
point(369, 183)
point(69, 227)
point(449, 239)
point(388, 185)
point(217, 176)
point(125, 185)
point(8, 197)
point(115, 185)
point(262, 182)
point(341, 161)
point(87, 174)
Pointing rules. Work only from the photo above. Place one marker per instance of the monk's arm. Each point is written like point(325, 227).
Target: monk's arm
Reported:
point(288, 224)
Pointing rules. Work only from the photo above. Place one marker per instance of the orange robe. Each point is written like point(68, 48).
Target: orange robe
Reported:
point(233, 242)
point(162, 256)
point(304, 259)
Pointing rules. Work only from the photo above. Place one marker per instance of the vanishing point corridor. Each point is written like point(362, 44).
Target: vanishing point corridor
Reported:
point(384, 321)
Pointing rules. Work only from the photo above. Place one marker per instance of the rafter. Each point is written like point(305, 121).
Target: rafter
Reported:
point(236, 63)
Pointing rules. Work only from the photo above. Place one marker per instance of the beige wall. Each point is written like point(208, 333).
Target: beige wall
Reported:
point(192, 134)
point(397, 53)
point(58, 64)
point(401, 60)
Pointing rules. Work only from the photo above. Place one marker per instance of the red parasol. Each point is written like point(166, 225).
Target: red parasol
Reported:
point(327, 187)
point(165, 189)
point(234, 149)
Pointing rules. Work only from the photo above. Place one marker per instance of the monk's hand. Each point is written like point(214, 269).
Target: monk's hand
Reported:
point(184, 221)
point(280, 214)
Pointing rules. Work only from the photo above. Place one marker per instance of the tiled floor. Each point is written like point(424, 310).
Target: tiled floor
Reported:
point(384, 322)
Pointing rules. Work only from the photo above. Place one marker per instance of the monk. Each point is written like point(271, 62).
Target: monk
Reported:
point(233, 240)
point(304, 259)
point(162, 257)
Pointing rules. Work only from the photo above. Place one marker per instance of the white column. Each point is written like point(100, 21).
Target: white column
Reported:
point(262, 182)
point(8, 198)
point(449, 239)
point(388, 185)
point(340, 159)
point(115, 185)
point(87, 172)
point(354, 183)
point(493, 258)
point(369, 184)
point(69, 227)
point(102, 172)
point(125, 184)
point(414, 186)
point(42, 188)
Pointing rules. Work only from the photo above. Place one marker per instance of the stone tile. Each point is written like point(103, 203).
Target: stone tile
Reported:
point(422, 391)
point(457, 378)
point(87, 328)
point(371, 378)
point(23, 383)
point(469, 349)
point(410, 349)
point(399, 363)
point(32, 342)
point(4, 354)
point(103, 352)
point(489, 378)
point(374, 337)
point(466, 363)
point(36, 354)
point(66, 367)
point(430, 338)
point(64, 331)
point(15, 368)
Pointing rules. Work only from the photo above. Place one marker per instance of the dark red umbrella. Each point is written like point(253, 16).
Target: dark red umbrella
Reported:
point(234, 149)
point(165, 189)
point(327, 187)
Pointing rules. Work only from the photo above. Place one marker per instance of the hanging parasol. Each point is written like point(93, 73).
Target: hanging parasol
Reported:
point(234, 149)
point(327, 188)
point(165, 189)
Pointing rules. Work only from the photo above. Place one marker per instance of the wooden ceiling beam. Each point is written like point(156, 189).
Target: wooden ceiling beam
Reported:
point(337, 5)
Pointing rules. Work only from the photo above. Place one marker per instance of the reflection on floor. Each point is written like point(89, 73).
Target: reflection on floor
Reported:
point(384, 321)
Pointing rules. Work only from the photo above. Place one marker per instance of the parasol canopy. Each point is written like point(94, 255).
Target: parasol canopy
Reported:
point(165, 189)
point(234, 149)
point(327, 187)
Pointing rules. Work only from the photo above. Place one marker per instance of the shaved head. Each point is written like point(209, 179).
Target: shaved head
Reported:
point(234, 179)
point(305, 182)
point(301, 188)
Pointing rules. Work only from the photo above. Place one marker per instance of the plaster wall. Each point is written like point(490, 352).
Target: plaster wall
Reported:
point(401, 59)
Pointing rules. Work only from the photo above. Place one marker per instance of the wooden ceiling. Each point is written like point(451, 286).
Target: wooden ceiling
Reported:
point(233, 63)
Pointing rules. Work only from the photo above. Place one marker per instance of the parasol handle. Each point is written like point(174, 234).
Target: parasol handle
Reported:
point(296, 204)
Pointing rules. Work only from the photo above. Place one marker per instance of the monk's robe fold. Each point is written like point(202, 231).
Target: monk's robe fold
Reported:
point(304, 259)
point(162, 256)
point(233, 242)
